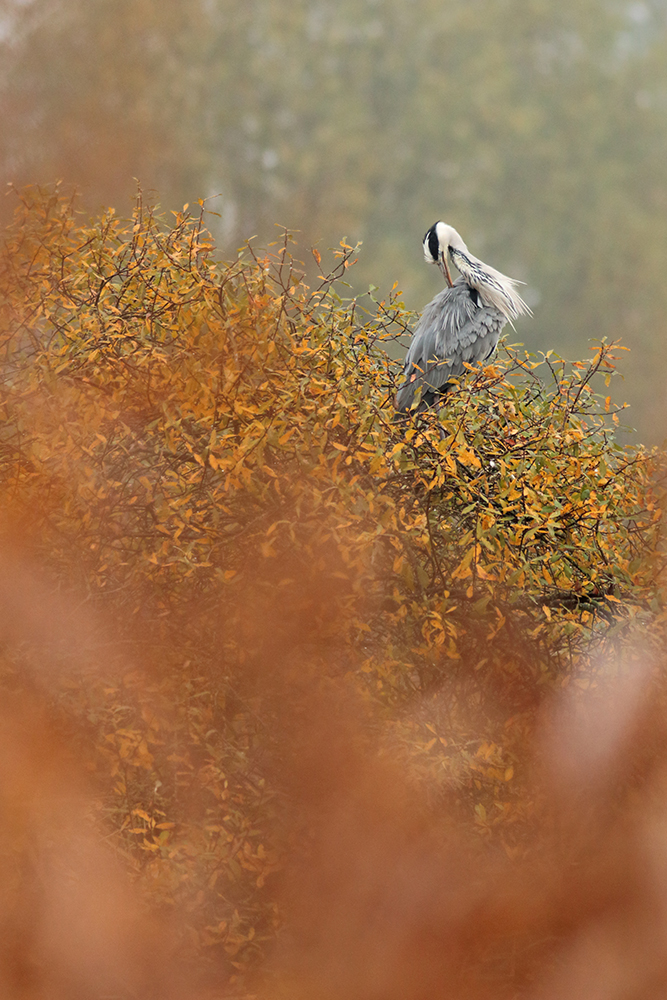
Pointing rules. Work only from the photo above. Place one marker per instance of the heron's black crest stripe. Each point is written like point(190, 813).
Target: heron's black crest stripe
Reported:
point(433, 243)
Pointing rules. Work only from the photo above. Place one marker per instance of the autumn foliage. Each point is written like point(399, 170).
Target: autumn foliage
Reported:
point(242, 592)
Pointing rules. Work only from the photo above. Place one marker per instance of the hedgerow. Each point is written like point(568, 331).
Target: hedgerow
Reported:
point(205, 457)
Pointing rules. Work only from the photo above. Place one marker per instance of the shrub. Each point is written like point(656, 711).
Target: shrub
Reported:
point(205, 458)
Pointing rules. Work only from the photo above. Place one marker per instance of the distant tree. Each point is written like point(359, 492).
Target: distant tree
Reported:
point(538, 131)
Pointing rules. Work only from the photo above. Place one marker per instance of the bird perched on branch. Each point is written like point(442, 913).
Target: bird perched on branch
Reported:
point(461, 325)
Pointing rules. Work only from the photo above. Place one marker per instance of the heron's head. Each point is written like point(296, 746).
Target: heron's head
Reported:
point(437, 241)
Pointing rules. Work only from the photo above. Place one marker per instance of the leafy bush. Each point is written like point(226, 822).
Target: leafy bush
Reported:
point(205, 458)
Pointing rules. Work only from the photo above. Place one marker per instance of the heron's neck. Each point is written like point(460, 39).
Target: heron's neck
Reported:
point(448, 238)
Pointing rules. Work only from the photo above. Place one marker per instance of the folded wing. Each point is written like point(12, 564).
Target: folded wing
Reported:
point(455, 329)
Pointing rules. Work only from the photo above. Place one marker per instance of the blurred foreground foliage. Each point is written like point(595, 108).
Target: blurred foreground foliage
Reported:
point(204, 459)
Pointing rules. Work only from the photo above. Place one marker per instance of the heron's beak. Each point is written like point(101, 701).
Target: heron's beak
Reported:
point(445, 269)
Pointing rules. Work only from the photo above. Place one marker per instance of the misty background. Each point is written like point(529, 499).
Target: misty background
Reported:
point(537, 128)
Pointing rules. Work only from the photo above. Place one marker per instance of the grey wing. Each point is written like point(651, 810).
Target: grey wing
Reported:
point(454, 330)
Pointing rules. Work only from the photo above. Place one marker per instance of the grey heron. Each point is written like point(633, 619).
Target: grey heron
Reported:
point(461, 325)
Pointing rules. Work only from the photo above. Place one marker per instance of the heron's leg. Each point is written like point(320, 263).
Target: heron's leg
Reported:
point(440, 408)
